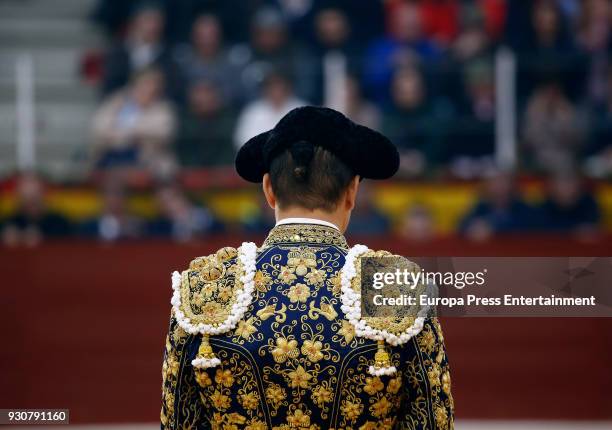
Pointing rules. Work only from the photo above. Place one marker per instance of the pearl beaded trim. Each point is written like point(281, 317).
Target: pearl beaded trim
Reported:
point(351, 306)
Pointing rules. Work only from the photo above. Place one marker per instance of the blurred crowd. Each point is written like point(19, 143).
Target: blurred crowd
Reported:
point(185, 83)
point(567, 207)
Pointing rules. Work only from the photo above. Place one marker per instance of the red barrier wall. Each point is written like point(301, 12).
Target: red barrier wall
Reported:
point(84, 326)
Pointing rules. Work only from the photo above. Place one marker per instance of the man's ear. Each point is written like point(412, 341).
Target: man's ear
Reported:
point(268, 192)
point(351, 193)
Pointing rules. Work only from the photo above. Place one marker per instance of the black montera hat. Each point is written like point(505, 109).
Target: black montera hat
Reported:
point(370, 154)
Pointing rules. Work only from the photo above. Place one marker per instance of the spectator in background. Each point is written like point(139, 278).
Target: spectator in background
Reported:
point(206, 59)
point(205, 128)
point(367, 19)
point(180, 219)
point(499, 210)
point(33, 221)
point(115, 222)
point(358, 108)
point(134, 127)
point(440, 19)
point(569, 207)
point(142, 48)
point(263, 114)
point(417, 224)
point(469, 151)
point(111, 15)
point(413, 121)
point(553, 128)
point(599, 151)
point(271, 49)
point(472, 41)
point(366, 219)
point(494, 12)
point(538, 27)
point(472, 45)
point(336, 54)
point(541, 36)
point(404, 46)
point(594, 31)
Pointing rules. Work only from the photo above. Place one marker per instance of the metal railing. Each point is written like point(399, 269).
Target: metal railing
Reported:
point(25, 112)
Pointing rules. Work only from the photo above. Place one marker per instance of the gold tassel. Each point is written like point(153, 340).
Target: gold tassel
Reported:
point(381, 358)
point(205, 357)
point(382, 362)
point(205, 351)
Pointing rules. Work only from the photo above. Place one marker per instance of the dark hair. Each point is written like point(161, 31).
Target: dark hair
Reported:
point(309, 176)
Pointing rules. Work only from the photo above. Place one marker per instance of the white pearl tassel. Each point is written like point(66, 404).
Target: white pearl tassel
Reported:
point(204, 363)
point(380, 371)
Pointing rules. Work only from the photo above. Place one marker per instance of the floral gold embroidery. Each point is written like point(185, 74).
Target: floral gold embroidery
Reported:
point(285, 349)
point(373, 385)
point(275, 394)
point(246, 328)
point(249, 400)
point(446, 383)
point(381, 407)
point(312, 350)
point(287, 275)
point(220, 400)
point(347, 330)
point(315, 277)
point(427, 341)
point(321, 394)
point(326, 309)
point(394, 385)
point(441, 418)
point(256, 425)
point(224, 377)
point(202, 378)
point(299, 293)
point(262, 280)
point(352, 410)
point(298, 419)
point(299, 378)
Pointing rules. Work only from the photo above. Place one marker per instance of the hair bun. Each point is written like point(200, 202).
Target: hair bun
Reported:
point(300, 173)
point(302, 153)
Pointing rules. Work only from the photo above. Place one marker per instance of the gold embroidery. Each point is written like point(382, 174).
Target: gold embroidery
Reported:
point(299, 293)
point(207, 288)
point(262, 280)
point(305, 233)
point(285, 349)
point(226, 254)
point(176, 387)
point(312, 350)
point(246, 328)
point(326, 309)
point(299, 378)
point(294, 361)
point(373, 385)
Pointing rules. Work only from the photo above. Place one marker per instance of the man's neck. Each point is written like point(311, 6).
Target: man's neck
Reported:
point(335, 218)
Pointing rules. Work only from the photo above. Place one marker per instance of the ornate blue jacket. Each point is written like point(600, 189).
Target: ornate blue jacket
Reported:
point(293, 360)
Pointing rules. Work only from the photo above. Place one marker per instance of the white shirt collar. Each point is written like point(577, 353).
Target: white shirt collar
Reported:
point(306, 221)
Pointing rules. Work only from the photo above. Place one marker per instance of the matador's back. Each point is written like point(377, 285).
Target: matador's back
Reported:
point(267, 338)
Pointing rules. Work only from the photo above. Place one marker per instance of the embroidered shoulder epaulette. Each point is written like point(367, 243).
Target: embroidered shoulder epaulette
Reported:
point(211, 296)
point(393, 329)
